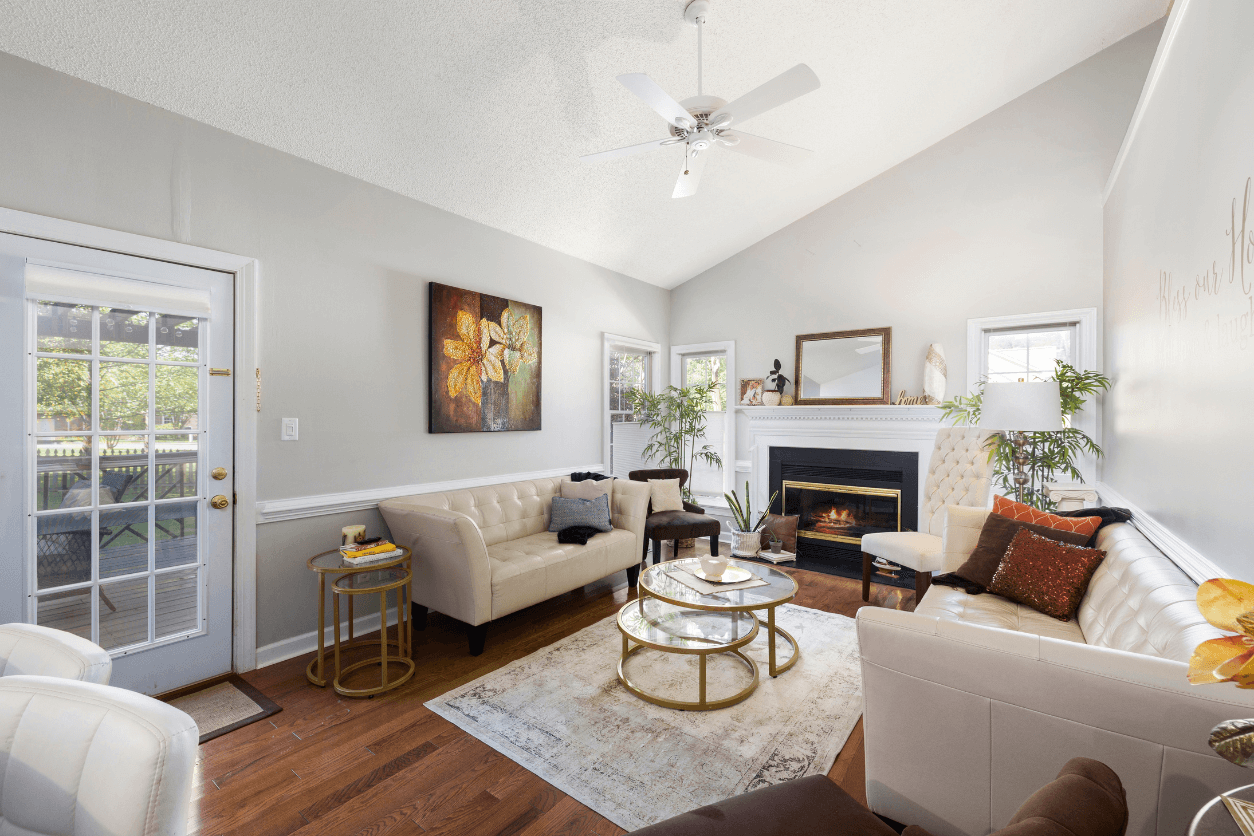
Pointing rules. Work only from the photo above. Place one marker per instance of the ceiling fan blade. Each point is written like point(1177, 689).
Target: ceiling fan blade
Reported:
point(770, 150)
point(656, 98)
point(629, 150)
point(686, 185)
point(785, 87)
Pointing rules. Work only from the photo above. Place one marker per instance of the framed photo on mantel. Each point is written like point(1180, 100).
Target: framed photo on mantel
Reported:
point(844, 368)
point(484, 362)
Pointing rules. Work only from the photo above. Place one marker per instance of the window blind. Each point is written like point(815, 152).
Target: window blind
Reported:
point(58, 284)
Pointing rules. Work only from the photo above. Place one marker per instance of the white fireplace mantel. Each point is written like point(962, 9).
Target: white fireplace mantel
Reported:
point(881, 427)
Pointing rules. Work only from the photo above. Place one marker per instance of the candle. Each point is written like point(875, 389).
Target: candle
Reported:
point(352, 534)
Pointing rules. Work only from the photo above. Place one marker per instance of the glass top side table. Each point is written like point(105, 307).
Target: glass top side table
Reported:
point(332, 563)
point(376, 582)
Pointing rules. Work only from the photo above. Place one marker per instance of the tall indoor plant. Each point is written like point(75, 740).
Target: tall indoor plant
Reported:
point(677, 418)
point(1050, 454)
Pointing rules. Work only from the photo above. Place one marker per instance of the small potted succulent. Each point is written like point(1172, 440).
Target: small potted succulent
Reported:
point(777, 379)
point(775, 543)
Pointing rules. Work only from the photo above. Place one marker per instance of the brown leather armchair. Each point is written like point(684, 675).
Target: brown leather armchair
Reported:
point(674, 525)
point(1086, 799)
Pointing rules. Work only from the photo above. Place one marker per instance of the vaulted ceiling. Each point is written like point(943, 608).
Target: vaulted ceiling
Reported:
point(482, 108)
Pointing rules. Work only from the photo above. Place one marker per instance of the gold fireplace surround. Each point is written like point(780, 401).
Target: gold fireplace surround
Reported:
point(796, 487)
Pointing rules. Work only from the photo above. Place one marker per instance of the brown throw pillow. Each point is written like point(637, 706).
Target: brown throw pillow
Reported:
point(1048, 576)
point(995, 538)
point(785, 529)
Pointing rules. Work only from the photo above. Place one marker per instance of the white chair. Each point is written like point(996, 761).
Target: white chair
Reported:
point(960, 473)
point(28, 649)
point(81, 758)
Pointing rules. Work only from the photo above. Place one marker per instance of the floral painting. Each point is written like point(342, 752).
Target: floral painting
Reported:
point(485, 362)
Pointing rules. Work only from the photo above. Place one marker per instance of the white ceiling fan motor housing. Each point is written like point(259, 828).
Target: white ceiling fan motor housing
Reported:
point(697, 9)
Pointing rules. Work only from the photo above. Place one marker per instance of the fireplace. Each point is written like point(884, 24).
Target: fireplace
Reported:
point(840, 495)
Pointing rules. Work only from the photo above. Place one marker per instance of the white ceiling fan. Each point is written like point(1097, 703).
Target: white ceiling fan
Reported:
point(701, 122)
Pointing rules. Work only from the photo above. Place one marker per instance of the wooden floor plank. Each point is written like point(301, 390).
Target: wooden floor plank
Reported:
point(389, 766)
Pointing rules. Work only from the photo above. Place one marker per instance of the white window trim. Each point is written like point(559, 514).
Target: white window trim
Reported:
point(727, 347)
point(608, 341)
point(247, 273)
point(1088, 420)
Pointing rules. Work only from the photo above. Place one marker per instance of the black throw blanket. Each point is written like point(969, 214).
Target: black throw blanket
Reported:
point(576, 534)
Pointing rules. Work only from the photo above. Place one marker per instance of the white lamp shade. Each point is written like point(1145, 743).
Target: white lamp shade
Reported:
point(1022, 407)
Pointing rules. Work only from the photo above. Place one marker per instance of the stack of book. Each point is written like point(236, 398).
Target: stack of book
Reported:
point(369, 552)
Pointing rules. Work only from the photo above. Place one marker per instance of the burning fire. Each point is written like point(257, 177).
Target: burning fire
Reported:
point(834, 518)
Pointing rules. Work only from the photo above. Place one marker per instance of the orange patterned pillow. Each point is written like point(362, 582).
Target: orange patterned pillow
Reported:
point(1026, 513)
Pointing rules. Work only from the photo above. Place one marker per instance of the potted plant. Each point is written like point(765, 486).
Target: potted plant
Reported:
point(677, 418)
point(777, 379)
point(746, 541)
point(1050, 454)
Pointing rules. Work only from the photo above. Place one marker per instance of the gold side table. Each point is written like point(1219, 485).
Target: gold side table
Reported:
point(376, 582)
point(331, 563)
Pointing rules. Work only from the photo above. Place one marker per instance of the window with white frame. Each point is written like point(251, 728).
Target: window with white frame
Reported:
point(1028, 353)
point(629, 365)
point(699, 370)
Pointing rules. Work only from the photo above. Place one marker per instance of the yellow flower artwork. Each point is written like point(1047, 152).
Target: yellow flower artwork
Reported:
point(1229, 605)
point(478, 359)
point(512, 333)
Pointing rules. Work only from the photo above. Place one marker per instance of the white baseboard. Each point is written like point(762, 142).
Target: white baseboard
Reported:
point(1193, 562)
point(298, 507)
point(308, 642)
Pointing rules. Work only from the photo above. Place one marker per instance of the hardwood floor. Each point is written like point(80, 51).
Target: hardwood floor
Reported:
point(330, 765)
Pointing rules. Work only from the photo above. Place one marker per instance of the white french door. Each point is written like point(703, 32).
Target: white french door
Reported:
point(123, 440)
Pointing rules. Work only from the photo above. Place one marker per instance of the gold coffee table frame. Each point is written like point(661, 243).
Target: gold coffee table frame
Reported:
point(770, 606)
point(702, 653)
point(342, 586)
point(318, 663)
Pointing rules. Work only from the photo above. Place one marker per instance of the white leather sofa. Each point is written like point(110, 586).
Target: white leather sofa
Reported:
point(484, 553)
point(972, 702)
point(83, 758)
point(42, 651)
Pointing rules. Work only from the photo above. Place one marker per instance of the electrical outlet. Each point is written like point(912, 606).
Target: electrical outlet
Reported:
point(290, 430)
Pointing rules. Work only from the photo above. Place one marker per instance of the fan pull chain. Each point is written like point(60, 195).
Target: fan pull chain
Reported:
point(685, 158)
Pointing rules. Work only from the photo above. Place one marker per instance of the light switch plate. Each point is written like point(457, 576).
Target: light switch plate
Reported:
point(290, 430)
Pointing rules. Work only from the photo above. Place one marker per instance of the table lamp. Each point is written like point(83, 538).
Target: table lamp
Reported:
point(1019, 408)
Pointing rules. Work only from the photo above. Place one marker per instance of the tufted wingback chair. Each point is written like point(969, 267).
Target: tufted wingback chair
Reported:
point(83, 758)
point(959, 473)
point(43, 651)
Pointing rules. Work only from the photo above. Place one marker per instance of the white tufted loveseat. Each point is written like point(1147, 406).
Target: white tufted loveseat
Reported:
point(483, 553)
point(958, 474)
point(971, 699)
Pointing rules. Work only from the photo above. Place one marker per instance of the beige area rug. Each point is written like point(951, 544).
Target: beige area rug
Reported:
point(562, 713)
point(225, 707)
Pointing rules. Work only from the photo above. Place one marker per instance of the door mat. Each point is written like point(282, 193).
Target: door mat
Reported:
point(225, 707)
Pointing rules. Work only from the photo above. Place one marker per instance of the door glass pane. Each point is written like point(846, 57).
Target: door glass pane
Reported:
point(123, 333)
point(178, 393)
point(123, 468)
point(64, 549)
point(63, 328)
point(68, 611)
point(123, 396)
point(176, 465)
point(176, 534)
point(123, 541)
point(177, 606)
point(62, 463)
point(178, 338)
point(62, 395)
point(123, 613)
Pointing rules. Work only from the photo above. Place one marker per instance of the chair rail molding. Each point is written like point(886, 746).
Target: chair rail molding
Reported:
point(317, 505)
point(879, 427)
point(1196, 565)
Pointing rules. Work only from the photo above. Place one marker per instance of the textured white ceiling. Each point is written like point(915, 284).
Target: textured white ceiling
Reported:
point(481, 108)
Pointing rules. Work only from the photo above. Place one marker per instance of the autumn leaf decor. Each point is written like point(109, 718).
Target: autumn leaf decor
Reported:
point(1229, 605)
point(481, 359)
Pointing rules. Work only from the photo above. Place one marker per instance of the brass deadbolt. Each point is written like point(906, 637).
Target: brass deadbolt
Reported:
point(219, 502)
point(218, 473)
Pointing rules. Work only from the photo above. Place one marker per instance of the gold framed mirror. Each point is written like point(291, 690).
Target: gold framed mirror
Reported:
point(844, 367)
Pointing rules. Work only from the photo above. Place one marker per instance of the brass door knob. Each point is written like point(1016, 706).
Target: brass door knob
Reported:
point(219, 502)
point(218, 473)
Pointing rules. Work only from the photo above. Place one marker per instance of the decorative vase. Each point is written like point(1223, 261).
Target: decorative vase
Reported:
point(746, 543)
point(771, 398)
point(776, 545)
point(787, 400)
point(934, 374)
point(713, 566)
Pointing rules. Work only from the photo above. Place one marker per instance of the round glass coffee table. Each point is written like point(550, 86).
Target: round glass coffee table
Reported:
point(780, 588)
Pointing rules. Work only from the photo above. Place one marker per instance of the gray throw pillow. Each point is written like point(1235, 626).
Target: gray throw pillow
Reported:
point(594, 513)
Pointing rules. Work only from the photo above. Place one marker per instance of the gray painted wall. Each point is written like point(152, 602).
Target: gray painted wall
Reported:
point(334, 252)
point(1002, 217)
point(1179, 302)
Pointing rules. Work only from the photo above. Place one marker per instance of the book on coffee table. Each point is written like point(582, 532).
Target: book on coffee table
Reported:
point(777, 557)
